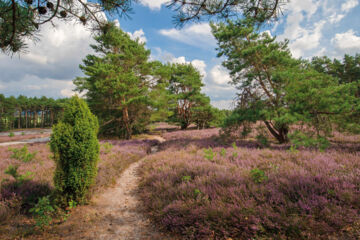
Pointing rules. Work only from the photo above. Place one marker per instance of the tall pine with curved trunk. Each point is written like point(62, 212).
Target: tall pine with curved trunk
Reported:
point(116, 82)
point(252, 59)
point(277, 89)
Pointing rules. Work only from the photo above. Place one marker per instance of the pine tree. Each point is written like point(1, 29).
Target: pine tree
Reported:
point(277, 89)
point(185, 86)
point(116, 84)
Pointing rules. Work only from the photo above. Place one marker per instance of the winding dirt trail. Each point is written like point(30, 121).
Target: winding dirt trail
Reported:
point(118, 209)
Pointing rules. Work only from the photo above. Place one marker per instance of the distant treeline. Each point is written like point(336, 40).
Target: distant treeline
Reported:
point(29, 112)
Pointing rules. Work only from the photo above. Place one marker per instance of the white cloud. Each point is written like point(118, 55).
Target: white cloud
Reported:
point(31, 85)
point(56, 55)
point(138, 34)
point(347, 42)
point(219, 75)
point(198, 35)
point(335, 18)
point(116, 23)
point(198, 64)
point(165, 56)
point(67, 92)
point(348, 5)
point(309, 39)
point(302, 38)
point(153, 4)
point(50, 64)
point(223, 104)
point(308, 21)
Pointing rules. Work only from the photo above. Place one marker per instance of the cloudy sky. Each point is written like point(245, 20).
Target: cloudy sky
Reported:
point(314, 27)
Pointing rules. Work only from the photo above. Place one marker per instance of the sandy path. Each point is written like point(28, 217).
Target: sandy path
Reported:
point(26, 141)
point(119, 211)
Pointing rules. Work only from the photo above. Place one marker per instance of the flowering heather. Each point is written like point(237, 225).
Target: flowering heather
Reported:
point(244, 193)
point(201, 138)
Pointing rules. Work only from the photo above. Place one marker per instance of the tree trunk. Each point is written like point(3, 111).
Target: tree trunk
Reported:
point(35, 118)
point(280, 134)
point(19, 120)
point(26, 118)
point(126, 122)
point(52, 117)
point(184, 125)
point(42, 118)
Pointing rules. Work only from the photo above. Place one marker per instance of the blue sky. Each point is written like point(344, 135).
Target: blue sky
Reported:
point(314, 27)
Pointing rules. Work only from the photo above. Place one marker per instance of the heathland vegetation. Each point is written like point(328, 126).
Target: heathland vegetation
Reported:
point(284, 164)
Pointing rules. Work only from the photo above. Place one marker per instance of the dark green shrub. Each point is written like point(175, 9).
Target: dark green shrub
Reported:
point(262, 139)
point(209, 154)
point(76, 152)
point(43, 212)
point(258, 175)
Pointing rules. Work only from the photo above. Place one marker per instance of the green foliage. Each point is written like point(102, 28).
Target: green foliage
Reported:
point(22, 154)
point(162, 101)
point(262, 139)
point(223, 152)
point(197, 192)
point(19, 178)
point(346, 72)
point(186, 178)
point(258, 175)
point(281, 91)
point(43, 212)
point(299, 139)
point(116, 87)
point(76, 152)
point(13, 33)
point(209, 154)
point(185, 86)
point(16, 112)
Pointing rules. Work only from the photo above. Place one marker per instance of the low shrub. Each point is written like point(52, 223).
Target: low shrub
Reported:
point(43, 212)
point(22, 154)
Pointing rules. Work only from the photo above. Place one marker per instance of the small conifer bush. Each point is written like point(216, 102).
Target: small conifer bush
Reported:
point(76, 152)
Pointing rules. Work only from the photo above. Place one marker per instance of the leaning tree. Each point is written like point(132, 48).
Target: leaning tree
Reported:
point(277, 89)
